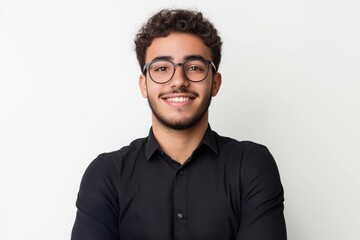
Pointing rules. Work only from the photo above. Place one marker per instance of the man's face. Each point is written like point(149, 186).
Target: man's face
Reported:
point(179, 104)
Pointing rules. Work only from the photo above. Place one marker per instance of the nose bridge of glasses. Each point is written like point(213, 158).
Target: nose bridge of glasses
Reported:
point(181, 65)
point(182, 70)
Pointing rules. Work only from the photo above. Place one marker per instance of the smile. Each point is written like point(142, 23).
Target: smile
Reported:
point(178, 99)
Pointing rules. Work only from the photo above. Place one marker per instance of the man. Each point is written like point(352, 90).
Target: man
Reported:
point(183, 181)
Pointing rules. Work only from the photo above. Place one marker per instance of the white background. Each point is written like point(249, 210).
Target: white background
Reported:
point(69, 91)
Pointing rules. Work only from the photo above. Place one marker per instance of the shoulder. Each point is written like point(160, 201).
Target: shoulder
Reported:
point(111, 163)
point(245, 147)
point(130, 150)
point(253, 163)
point(245, 154)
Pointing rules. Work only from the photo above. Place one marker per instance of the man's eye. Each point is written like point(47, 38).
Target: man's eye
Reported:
point(161, 69)
point(194, 68)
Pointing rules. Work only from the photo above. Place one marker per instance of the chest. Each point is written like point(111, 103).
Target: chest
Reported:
point(199, 200)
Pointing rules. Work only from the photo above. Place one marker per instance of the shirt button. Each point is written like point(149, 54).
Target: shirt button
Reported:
point(181, 173)
point(180, 215)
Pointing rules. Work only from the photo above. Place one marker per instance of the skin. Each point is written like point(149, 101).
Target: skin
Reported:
point(186, 121)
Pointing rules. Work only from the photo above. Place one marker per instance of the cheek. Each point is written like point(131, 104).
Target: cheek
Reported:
point(209, 89)
point(152, 91)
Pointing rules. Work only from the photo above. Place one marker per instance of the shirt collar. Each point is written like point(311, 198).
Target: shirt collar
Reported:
point(209, 139)
point(151, 146)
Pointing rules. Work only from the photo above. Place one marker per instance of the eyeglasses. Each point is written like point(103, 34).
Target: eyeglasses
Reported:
point(162, 71)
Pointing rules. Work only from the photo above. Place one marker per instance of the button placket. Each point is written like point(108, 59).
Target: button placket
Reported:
point(180, 204)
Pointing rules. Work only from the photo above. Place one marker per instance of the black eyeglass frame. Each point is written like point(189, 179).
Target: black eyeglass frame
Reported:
point(208, 62)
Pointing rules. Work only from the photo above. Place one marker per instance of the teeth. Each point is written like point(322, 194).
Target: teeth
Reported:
point(178, 99)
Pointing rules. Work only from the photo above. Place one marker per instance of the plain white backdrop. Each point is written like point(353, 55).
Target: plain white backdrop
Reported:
point(69, 91)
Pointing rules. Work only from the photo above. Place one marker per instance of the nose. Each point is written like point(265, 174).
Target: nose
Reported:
point(179, 79)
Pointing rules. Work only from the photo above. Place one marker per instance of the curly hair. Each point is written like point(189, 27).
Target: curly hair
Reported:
point(167, 21)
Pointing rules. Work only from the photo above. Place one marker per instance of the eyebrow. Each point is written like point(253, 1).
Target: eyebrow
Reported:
point(193, 57)
point(170, 58)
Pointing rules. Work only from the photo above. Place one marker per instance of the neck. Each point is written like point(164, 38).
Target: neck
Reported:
point(179, 144)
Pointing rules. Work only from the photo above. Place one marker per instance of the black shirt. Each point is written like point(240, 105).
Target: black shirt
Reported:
point(227, 190)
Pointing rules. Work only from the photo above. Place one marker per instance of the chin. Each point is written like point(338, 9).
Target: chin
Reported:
point(181, 122)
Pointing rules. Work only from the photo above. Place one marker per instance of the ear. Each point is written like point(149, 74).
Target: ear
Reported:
point(216, 84)
point(143, 86)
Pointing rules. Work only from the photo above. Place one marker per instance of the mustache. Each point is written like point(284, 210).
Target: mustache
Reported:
point(179, 90)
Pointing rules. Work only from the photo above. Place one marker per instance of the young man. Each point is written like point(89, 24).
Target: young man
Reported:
point(183, 181)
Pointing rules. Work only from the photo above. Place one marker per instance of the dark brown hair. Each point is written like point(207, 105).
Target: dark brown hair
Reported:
point(178, 20)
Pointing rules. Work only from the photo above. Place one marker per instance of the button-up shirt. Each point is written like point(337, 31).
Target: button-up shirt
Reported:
point(226, 190)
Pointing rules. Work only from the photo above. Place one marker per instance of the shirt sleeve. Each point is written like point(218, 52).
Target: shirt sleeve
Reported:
point(97, 204)
point(262, 197)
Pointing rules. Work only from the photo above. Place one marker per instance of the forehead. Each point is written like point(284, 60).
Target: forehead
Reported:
point(177, 46)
